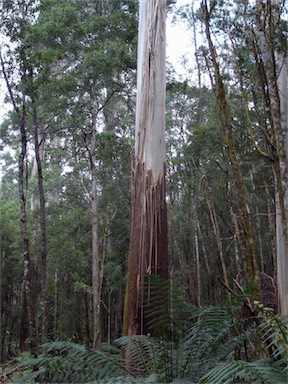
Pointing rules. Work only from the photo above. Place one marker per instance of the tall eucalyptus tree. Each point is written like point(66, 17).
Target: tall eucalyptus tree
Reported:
point(148, 252)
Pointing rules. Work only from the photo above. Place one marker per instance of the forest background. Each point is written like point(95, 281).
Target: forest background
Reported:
point(66, 144)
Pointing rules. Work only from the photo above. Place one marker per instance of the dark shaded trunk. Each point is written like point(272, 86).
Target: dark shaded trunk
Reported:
point(96, 263)
point(28, 289)
point(28, 320)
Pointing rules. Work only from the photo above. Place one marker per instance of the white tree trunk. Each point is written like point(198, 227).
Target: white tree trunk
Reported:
point(275, 62)
point(151, 87)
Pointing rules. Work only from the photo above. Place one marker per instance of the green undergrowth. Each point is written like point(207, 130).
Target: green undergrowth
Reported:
point(219, 344)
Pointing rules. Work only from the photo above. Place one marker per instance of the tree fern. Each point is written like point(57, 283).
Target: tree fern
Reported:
point(219, 347)
point(273, 330)
point(207, 340)
point(200, 347)
point(148, 356)
point(167, 313)
point(66, 362)
point(261, 371)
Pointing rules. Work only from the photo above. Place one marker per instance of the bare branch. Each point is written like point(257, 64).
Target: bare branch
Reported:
point(8, 85)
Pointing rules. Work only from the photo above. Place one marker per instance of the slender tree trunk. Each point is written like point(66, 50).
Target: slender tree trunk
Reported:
point(28, 321)
point(55, 304)
point(148, 252)
point(234, 229)
point(257, 221)
point(246, 239)
point(197, 256)
point(272, 227)
point(97, 261)
point(44, 248)
point(216, 229)
point(276, 70)
point(85, 320)
point(96, 277)
point(28, 289)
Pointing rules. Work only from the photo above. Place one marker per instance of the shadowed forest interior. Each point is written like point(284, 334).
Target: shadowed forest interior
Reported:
point(143, 213)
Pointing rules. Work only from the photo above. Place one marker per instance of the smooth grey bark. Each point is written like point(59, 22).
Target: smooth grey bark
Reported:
point(282, 196)
point(96, 276)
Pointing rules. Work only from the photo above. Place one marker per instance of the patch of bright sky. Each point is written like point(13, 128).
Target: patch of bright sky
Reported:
point(179, 42)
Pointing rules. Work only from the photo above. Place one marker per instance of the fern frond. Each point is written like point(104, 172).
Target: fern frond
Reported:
point(227, 350)
point(64, 362)
point(274, 332)
point(62, 347)
point(119, 380)
point(259, 371)
point(166, 311)
point(147, 355)
point(204, 337)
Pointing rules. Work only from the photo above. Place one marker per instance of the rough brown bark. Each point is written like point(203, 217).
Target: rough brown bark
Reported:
point(148, 253)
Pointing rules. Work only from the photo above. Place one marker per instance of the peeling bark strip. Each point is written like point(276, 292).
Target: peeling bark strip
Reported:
point(148, 253)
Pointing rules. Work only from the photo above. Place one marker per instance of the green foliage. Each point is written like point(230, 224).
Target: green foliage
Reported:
point(66, 362)
point(10, 273)
point(211, 351)
point(165, 309)
point(83, 54)
point(260, 371)
point(214, 337)
point(273, 331)
point(148, 356)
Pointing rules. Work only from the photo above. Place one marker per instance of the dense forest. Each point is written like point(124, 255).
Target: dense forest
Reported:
point(144, 215)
